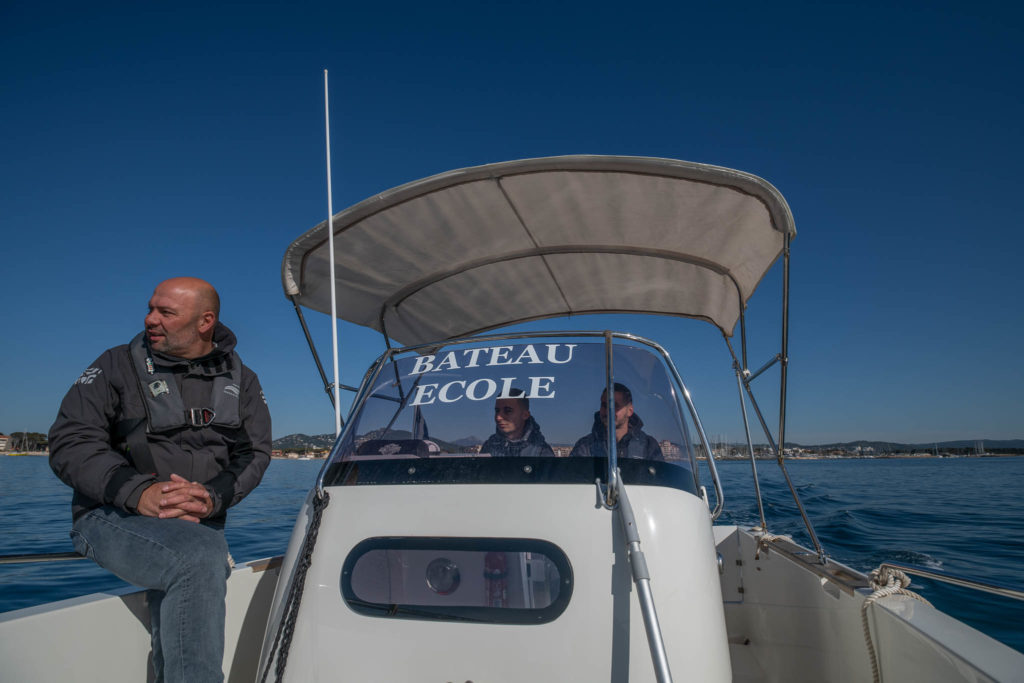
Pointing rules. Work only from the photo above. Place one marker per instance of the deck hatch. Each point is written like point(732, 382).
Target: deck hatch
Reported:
point(485, 580)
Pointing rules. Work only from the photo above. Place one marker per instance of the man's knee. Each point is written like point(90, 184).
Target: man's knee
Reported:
point(205, 556)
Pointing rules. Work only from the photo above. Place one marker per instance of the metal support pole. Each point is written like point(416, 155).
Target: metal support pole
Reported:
point(330, 247)
point(312, 348)
point(782, 398)
point(743, 335)
point(384, 329)
point(822, 557)
point(784, 372)
point(782, 465)
point(956, 580)
point(750, 444)
point(773, 361)
point(613, 463)
point(328, 387)
point(642, 579)
point(760, 418)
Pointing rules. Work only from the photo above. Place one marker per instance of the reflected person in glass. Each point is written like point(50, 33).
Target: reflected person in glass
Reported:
point(631, 440)
point(516, 433)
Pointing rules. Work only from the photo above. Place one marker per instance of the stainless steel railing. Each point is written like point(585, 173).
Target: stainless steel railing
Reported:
point(955, 580)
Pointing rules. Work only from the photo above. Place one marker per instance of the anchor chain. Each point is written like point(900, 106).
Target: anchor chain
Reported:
point(291, 607)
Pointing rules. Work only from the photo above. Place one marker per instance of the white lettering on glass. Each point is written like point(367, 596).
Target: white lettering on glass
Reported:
point(449, 362)
point(541, 384)
point(506, 387)
point(501, 355)
point(485, 388)
point(443, 394)
point(473, 355)
point(472, 395)
point(529, 354)
point(552, 348)
point(419, 369)
point(421, 398)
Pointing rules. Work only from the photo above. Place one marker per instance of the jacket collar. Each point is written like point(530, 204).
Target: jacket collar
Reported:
point(599, 431)
point(216, 362)
point(531, 433)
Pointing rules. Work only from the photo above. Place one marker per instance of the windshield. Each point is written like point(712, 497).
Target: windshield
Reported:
point(516, 400)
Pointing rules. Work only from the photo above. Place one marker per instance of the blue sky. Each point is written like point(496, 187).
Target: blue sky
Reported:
point(147, 141)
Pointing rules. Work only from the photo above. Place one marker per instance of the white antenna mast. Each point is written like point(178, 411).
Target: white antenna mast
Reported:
point(330, 247)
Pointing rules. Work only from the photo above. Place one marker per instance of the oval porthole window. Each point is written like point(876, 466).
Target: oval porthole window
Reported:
point(492, 580)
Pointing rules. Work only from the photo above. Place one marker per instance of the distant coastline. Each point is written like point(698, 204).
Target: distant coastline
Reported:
point(887, 456)
point(789, 458)
point(718, 458)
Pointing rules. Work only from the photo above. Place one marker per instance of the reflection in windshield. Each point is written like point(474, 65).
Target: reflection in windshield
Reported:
point(520, 400)
point(631, 440)
point(516, 432)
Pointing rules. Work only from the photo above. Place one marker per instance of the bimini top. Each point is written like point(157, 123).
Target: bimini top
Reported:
point(478, 248)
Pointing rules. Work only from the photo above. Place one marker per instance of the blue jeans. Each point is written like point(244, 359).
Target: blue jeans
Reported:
point(185, 566)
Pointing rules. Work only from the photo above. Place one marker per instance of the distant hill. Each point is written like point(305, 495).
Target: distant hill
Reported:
point(317, 442)
point(892, 446)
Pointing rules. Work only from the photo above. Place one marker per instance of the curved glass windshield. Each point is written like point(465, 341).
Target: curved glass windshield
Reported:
point(530, 402)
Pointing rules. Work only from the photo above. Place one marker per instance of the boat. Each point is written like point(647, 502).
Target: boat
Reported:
point(422, 554)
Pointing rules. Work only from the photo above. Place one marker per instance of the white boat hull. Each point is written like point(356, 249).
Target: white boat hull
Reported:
point(786, 624)
point(104, 637)
point(599, 636)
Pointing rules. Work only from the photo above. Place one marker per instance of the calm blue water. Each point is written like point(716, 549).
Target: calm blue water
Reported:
point(957, 515)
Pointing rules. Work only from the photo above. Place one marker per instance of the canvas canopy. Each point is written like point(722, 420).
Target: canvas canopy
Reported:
point(478, 248)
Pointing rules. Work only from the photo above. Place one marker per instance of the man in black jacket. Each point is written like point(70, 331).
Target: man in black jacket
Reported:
point(158, 438)
point(631, 440)
point(516, 433)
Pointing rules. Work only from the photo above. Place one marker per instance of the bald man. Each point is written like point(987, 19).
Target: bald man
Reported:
point(158, 438)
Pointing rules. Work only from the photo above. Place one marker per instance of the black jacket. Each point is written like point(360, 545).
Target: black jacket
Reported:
point(634, 443)
point(88, 448)
point(531, 445)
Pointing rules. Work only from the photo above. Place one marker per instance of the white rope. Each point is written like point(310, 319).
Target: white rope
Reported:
point(764, 539)
point(885, 581)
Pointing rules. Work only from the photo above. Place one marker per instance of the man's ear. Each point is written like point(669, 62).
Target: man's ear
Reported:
point(206, 322)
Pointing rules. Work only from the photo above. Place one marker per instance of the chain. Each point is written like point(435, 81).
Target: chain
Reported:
point(291, 607)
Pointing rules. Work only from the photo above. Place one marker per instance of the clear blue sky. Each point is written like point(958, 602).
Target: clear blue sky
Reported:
point(144, 140)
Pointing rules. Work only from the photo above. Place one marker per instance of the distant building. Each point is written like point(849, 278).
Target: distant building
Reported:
point(4, 439)
point(670, 450)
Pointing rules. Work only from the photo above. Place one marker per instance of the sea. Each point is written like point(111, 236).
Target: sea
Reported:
point(958, 515)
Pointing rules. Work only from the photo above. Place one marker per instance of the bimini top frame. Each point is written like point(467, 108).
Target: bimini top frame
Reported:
point(480, 248)
point(433, 259)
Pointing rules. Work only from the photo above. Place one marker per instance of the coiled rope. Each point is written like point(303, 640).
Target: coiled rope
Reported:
point(764, 539)
point(286, 628)
point(885, 581)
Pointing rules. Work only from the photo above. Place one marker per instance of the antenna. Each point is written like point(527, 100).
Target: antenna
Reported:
point(330, 247)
